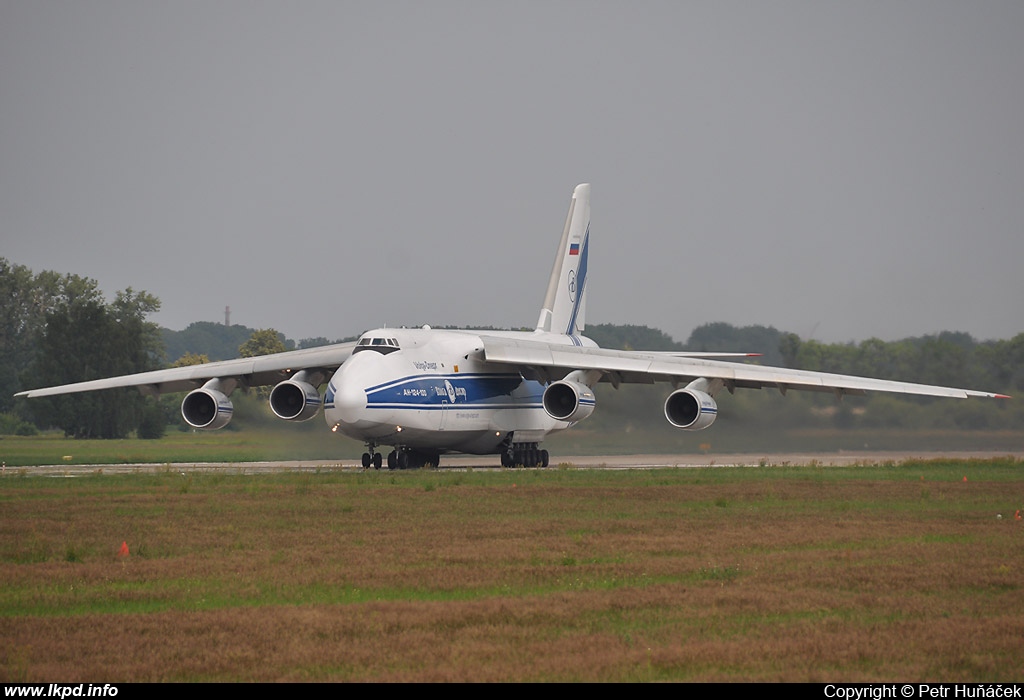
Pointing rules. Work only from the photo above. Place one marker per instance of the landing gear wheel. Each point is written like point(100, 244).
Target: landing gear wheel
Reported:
point(366, 460)
point(377, 460)
point(525, 454)
point(392, 459)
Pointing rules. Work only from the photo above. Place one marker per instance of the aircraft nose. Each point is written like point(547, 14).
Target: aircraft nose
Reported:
point(349, 396)
point(349, 402)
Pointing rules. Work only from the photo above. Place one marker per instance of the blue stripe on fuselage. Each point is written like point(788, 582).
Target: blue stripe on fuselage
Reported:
point(445, 390)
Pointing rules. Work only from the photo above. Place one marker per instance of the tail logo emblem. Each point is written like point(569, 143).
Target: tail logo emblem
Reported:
point(572, 285)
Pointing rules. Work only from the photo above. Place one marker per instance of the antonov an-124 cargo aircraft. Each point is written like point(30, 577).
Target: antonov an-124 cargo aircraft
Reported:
point(424, 392)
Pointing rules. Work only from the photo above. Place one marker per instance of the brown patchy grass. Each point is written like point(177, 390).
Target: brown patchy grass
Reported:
point(778, 574)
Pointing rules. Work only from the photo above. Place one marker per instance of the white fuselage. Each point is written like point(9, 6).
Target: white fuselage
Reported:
point(431, 390)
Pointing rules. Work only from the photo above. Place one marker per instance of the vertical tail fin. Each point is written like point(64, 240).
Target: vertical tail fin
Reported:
point(565, 302)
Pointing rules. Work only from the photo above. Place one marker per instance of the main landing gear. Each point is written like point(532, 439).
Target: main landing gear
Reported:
point(404, 458)
point(401, 458)
point(525, 454)
point(519, 454)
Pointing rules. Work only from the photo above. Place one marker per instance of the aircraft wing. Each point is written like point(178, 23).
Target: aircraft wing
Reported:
point(249, 371)
point(704, 355)
point(551, 361)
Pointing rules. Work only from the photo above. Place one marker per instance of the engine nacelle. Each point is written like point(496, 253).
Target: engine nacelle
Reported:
point(690, 409)
point(295, 400)
point(208, 409)
point(569, 401)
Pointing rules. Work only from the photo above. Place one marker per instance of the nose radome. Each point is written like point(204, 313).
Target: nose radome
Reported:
point(349, 395)
point(349, 401)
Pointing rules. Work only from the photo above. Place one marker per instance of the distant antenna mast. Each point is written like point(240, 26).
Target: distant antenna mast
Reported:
point(227, 315)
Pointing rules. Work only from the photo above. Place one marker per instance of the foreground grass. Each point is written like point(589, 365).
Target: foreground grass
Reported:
point(791, 574)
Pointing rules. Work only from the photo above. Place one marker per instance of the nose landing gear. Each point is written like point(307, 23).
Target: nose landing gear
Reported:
point(372, 457)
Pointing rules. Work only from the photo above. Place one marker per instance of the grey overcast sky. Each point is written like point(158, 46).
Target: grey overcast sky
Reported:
point(841, 170)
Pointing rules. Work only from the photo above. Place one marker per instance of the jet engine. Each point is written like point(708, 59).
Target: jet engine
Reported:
point(690, 409)
point(569, 401)
point(295, 400)
point(207, 408)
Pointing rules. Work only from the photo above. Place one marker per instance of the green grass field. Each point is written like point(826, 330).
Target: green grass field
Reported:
point(866, 573)
point(314, 442)
point(177, 447)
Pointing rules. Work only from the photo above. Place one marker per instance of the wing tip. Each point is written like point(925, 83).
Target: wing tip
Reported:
point(971, 393)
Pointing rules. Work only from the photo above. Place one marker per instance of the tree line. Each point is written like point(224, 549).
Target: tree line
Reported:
point(58, 329)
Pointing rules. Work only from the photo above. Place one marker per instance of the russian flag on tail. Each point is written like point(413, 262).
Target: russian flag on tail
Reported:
point(574, 249)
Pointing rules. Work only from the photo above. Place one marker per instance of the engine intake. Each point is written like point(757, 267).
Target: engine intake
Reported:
point(208, 409)
point(569, 401)
point(690, 409)
point(295, 400)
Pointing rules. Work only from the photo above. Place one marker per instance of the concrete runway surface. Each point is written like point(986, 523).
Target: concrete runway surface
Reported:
point(462, 462)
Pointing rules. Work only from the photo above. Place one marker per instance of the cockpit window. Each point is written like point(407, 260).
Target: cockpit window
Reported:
point(381, 345)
